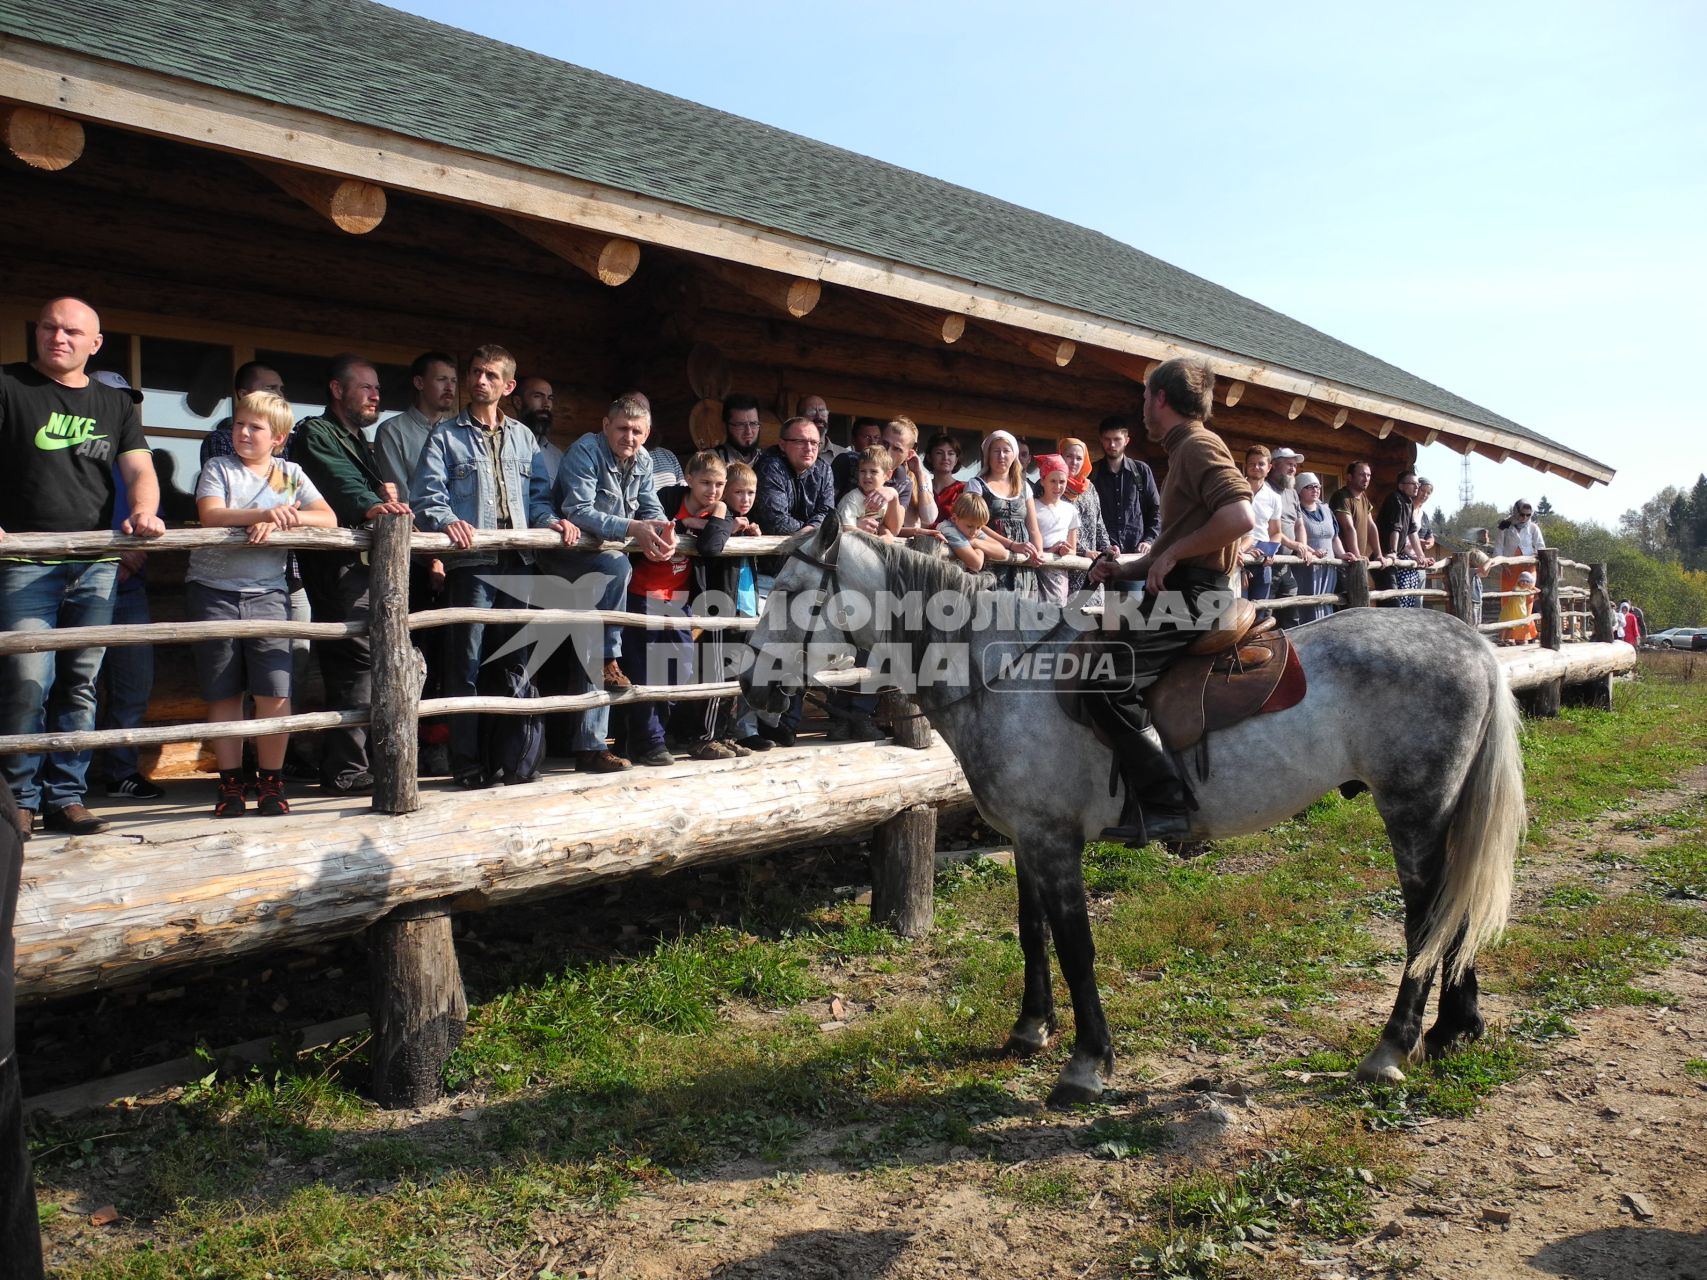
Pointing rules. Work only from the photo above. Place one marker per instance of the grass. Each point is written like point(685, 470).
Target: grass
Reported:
point(620, 1073)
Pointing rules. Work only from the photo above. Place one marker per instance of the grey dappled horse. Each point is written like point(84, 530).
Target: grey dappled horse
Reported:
point(1410, 703)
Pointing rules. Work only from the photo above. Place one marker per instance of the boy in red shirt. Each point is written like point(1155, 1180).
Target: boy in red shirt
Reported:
point(665, 656)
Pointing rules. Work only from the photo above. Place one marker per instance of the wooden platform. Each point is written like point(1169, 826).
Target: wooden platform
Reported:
point(169, 886)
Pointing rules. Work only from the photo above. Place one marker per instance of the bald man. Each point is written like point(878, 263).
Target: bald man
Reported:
point(62, 433)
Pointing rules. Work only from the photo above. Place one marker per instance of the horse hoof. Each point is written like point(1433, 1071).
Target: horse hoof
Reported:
point(1019, 1046)
point(1438, 1043)
point(1065, 1095)
point(1079, 1083)
point(1381, 1066)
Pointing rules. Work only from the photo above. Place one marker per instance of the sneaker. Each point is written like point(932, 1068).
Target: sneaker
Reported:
point(26, 821)
point(136, 786)
point(228, 801)
point(272, 803)
point(778, 734)
point(614, 680)
point(472, 778)
point(657, 757)
point(434, 761)
point(600, 762)
point(754, 743)
point(360, 785)
point(735, 748)
point(861, 729)
point(73, 820)
point(712, 751)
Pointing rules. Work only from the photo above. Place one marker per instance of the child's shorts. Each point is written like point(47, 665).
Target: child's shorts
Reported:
point(231, 668)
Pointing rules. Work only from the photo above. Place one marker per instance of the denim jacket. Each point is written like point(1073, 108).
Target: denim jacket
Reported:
point(455, 480)
point(595, 492)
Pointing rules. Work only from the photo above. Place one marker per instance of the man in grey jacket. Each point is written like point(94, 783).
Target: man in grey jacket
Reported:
point(604, 492)
point(473, 474)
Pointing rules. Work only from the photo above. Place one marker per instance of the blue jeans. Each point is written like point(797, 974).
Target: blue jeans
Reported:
point(51, 692)
point(593, 727)
point(129, 672)
point(655, 658)
point(466, 644)
point(790, 716)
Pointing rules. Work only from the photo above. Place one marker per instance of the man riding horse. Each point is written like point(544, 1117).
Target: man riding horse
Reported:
point(1187, 574)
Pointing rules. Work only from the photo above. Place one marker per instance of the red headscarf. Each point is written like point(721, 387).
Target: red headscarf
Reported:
point(1076, 481)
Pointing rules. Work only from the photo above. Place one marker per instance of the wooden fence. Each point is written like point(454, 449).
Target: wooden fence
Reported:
point(401, 882)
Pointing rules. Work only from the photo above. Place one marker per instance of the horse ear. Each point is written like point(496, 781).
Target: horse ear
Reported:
point(829, 533)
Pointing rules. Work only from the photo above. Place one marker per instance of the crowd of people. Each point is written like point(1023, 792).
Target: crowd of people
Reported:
point(480, 449)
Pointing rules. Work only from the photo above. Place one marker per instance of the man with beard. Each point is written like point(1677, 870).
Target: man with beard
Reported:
point(1282, 478)
point(333, 451)
point(498, 452)
point(740, 430)
point(1205, 514)
point(1356, 516)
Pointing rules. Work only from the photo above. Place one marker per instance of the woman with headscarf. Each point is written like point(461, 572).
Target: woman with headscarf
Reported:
point(1057, 522)
point(1093, 533)
point(1321, 542)
point(1013, 518)
point(1518, 535)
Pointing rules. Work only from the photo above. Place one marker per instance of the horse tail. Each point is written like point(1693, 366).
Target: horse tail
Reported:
point(1487, 823)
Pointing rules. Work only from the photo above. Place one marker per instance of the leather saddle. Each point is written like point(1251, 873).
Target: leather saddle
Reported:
point(1243, 668)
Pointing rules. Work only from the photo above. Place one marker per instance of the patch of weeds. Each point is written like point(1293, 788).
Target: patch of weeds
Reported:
point(1121, 1137)
point(1566, 959)
point(1679, 870)
point(1570, 894)
point(1319, 1185)
point(1052, 1187)
point(1113, 868)
point(1696, 1067)
point(861, 939)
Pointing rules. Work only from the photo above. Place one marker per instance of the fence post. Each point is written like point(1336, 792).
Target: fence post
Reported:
point(1547, 585)
point(903, 849)
point(417, 1006)
point(1354, 583)
point(397, 670)
point(1460, 599)
point(1600, 603)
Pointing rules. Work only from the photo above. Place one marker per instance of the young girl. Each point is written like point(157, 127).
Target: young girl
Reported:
point(1516, 607)
point(912, 485)
point(1093, 530)
point(871, 505)
point(967, 535)
point(1013, 517)
point(942, 456)
point(1057, 522)
point(250, 488)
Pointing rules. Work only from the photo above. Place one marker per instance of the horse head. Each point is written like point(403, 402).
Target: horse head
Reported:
point(777, 671)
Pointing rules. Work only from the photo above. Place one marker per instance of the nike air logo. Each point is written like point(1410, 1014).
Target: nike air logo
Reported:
point(65, 431)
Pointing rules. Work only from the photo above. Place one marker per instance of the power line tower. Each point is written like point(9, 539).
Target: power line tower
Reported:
point(1466, 491)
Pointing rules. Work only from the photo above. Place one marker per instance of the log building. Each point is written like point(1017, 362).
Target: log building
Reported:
point(237, 181)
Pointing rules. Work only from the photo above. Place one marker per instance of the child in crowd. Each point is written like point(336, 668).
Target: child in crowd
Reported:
point(1514, 608)
point(1057, 522)
point(740, 491)
point(872, 505)
point(966, 533)
point(661, 586)
point(250, 488)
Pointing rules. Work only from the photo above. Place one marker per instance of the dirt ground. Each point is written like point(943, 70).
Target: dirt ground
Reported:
point(1593, 1167)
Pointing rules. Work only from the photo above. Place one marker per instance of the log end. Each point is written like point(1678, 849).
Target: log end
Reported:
point(40, 139)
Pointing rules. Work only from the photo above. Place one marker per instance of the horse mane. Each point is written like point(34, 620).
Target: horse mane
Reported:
point(924, 572)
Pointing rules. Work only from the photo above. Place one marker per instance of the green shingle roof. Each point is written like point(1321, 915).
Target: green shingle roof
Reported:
point(412, 76)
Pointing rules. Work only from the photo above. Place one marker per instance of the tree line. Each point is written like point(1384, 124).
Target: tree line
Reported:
point(1656, 557)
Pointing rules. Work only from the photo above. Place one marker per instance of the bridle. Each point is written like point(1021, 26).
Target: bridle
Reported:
point(828, 587)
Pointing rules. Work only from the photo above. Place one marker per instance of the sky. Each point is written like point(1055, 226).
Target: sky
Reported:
point(1507, 199)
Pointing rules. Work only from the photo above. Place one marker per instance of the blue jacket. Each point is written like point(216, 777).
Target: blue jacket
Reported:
point(788, 500)
point(455, 479)
point(1131, 503)
point(595, 491)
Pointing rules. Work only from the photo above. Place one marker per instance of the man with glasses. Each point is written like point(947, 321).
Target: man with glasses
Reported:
point(740, 430)
point(1396, 526)
point(815, 408)
point(796, 493)
point(1518, 535)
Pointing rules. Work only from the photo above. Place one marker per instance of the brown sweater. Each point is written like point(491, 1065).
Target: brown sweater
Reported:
point(1201, 479)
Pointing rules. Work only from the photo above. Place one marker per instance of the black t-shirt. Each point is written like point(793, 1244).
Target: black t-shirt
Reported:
point(1395, 518)
point(57, 449)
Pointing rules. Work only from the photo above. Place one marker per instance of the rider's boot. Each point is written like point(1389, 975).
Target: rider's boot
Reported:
point(1158, 803)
